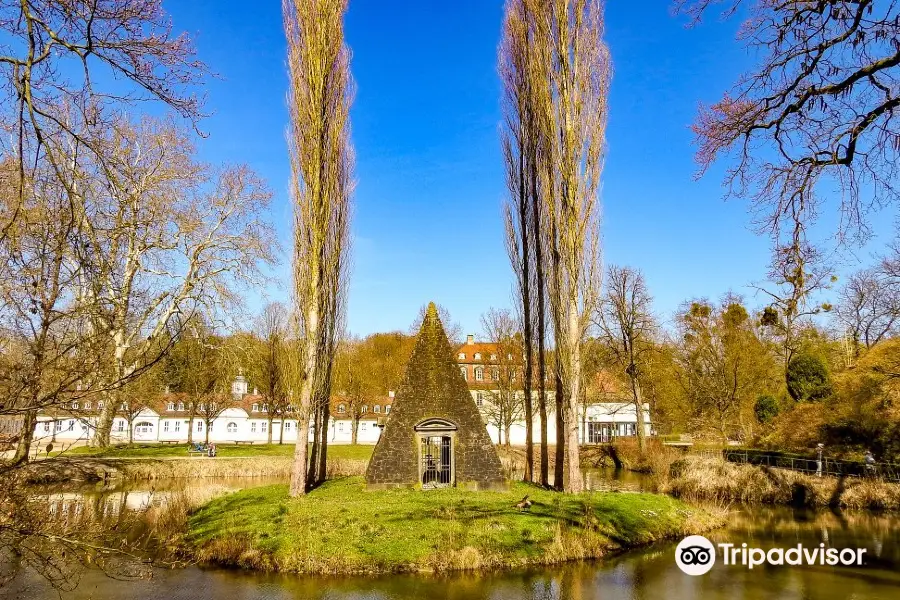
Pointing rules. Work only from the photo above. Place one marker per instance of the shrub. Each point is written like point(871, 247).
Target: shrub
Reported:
point(766, 408)
point(808, 379)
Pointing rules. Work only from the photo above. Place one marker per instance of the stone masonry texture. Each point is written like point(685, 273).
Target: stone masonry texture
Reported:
point(432, 387)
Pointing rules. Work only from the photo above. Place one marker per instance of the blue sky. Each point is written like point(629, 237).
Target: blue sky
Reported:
point(430, 182)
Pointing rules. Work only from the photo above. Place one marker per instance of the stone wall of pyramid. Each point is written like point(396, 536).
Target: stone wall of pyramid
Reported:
point(432, 387)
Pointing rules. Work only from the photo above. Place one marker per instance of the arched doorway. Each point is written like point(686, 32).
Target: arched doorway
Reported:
point(437, 460)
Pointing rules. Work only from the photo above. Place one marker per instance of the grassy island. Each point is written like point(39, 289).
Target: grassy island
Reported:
point(341, 528)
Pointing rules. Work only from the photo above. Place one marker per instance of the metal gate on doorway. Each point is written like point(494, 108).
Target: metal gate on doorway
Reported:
point(436, 453)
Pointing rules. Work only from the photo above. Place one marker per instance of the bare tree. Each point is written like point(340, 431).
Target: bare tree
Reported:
point(59, 56)
point(504, 405)
point(160, 237)
point(868, 308)
point(627, 329)
point(821, 105)
point(573, 111)
point(798, 272)
point(322, 164)
point(266, 363)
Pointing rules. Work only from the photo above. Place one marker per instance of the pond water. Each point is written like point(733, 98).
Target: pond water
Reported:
point(646, 574)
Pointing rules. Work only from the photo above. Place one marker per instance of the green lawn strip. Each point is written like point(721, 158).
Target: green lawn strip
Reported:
point(343, 451)
point(341, 528)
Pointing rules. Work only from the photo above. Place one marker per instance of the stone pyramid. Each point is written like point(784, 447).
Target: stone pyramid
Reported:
point(433, 388)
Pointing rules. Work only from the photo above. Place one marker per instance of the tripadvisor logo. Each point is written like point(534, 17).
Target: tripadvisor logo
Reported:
point(696, 555)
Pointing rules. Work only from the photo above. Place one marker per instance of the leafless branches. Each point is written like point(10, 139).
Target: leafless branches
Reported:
point(821, 107)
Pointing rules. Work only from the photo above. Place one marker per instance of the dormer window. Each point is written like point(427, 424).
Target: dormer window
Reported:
point(387, 409)
point(255, 407)
point(265, 408)
point(170, 406)
point(493, 357)
point(462, 356)
point(75, 406)
point(465, 373)
point(478, 356)
point(87, 406)
point(479, 374)
point(181, 406)
point(377, 408)
point(364, 409)
point(342, 408)
point(100, 405)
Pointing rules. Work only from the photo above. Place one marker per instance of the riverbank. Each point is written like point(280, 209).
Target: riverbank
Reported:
point(154, 462)
point(340, 528)
point(696, 478)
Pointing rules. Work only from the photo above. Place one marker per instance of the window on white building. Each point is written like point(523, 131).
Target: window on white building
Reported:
point(363, 426)
point(495, 374)
point(253, 427)
point(232, 428)
point(464, 372)
point(165, 427)
point(479, 399)
point(479, 374)
point(177, 426)
point(121, 425)
point(340, 425)
point(144, 427)
point(84, 426)
point(287, 426)
point(199, 426)
point(46, 426)
point(377, 408)
point(263, 427)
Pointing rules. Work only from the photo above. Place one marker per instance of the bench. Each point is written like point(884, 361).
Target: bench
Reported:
point(239, 442)
point(170, 442)
point(197, 452)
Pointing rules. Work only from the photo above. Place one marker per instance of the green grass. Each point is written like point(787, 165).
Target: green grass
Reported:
point(357, 452)
point(342, 528)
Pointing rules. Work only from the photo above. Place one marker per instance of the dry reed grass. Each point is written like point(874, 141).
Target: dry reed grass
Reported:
point(702, 479)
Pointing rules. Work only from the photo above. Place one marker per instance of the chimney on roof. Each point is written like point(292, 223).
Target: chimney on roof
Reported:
point(391, 394)
point(470, 339)
point(167, 390)
point(255, 392)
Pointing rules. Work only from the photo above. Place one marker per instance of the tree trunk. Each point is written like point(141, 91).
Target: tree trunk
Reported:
point(131, 432)
point(560, 457)
point(206, 433)
point(506, 433)
point(575, 483)
point(323, 445)
point(313, 458)
point(281, 431)
point(269, 429)
point(354, 427)
point(23, 448)
point(639, 414)
point(107, 416)
point(190, 430)
point(299, 483)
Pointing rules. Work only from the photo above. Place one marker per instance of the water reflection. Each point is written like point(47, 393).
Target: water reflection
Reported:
point(648, 574)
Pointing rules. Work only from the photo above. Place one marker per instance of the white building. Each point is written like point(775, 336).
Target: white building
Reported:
point(170, 417)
